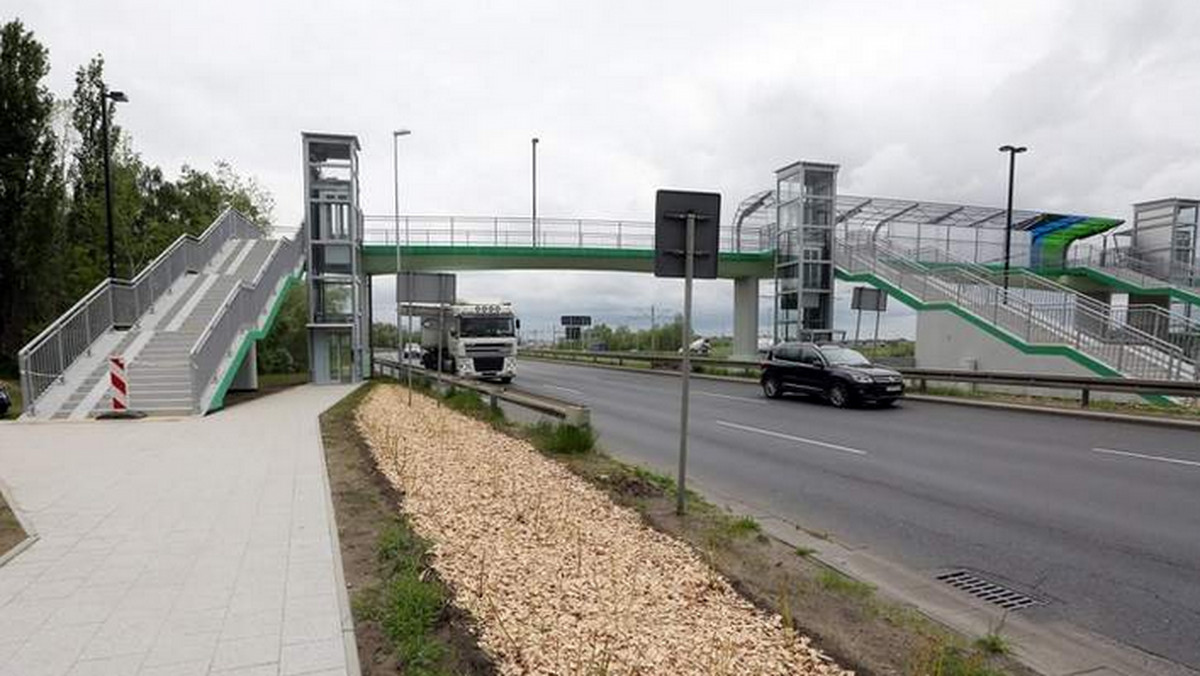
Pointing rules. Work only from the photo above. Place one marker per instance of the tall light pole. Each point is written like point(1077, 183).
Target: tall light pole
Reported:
point(105, 97)
point(1012, 151)
point(400, 337)
point(533, 210)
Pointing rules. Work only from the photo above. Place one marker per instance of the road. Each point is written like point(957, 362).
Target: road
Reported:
point(1101, 519)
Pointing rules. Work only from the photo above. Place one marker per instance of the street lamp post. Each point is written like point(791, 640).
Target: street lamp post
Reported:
point(533, 210)
point(401, 338)
point(1012, 151)
point(105, 97)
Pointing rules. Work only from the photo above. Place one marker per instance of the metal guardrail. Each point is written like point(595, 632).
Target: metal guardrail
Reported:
point(1084, 384)
point(119, 303)
point(239, 313)
point(415, 230)
point(570, 413)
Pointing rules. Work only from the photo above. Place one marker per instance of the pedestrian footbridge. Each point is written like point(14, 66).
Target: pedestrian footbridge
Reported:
point(188, 323)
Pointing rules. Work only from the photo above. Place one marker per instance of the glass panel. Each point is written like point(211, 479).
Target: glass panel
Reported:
point(817, 182)
point(486, 327)
point(334, 302)
point(335, 259)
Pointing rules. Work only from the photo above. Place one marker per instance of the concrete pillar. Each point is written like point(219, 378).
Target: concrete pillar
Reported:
point(247, 375)
point(745, 317)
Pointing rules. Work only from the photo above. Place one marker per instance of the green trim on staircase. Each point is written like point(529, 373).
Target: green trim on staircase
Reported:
point(253, 335)
point(1093, 365)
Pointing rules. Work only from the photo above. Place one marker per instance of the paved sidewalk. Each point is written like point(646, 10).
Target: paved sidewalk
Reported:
point(175, 546)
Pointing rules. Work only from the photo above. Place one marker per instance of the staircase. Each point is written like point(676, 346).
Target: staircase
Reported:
point(1069, 325)
point(201, 282)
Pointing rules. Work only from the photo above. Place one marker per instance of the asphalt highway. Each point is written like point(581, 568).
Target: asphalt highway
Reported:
point(1100, 519)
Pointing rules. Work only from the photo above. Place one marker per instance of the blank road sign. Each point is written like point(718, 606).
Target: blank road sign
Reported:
point(576, 320)
point(671, 208)
point(425, 287)
point(866, 298)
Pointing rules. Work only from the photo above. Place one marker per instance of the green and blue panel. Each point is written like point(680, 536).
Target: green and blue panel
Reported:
point(1052, 234)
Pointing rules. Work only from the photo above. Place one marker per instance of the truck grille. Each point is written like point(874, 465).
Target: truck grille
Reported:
point(488, 364)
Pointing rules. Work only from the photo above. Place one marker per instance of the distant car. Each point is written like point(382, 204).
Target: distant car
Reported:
point(5, 402)
point(842, 376)
point(700, 346)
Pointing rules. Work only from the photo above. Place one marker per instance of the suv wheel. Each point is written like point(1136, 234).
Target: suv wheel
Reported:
point(771, 388)
point(838, 396)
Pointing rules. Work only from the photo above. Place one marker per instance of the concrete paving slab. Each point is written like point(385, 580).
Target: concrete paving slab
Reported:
point(176, 546)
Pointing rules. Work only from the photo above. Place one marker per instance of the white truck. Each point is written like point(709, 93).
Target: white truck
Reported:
point(476, 340)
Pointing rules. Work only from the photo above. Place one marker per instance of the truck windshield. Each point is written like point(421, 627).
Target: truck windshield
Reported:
point(844, 356)
point(485, 327)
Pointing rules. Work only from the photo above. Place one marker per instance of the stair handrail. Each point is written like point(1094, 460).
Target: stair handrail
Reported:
point(115, 303)
point(237, 314)
point(1021, 318)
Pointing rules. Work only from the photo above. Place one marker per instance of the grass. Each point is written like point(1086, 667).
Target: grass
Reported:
point(805, 552)
point(11, 533)
point(992, 643)
point(562, 438)
point(407, 604)
point(836, 582)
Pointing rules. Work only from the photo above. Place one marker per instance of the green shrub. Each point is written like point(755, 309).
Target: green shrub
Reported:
point(562, 438)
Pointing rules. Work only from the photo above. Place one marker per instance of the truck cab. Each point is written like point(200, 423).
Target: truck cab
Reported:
point(476, 340)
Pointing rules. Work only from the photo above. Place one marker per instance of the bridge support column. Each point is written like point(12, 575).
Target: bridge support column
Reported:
point(745, 317)
point(247, 375)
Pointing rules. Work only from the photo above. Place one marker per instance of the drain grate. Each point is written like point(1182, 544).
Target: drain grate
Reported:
point(991, 592)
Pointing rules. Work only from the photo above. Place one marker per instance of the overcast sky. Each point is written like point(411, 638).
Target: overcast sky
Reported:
point(910, 98)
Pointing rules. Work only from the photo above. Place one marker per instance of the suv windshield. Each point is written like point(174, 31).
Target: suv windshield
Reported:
point(486, 327)
point(844, 356)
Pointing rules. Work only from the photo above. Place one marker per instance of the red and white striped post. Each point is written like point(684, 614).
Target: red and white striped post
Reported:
point(120, 384)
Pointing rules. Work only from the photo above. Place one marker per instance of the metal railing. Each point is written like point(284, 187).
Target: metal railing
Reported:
point(239, 313)
point(1126, 350)
point(1156, 327)
point(117, 303)
point(550, 232)
point(922, 376)
point(568, 412)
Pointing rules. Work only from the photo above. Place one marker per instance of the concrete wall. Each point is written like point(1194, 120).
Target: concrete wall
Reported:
point(946, 341)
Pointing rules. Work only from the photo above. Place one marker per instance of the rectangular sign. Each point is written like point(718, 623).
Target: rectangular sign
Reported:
point(671, 208)
point(866, 298)
point(576, 320)
point(425, 287)
point(574, 332)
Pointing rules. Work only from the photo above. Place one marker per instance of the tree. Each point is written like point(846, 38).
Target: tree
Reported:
point(31, 187)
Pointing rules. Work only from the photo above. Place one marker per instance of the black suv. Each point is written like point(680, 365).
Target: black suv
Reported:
point(841, 375)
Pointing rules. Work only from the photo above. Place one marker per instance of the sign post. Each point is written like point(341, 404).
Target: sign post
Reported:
point(872, 300)
point(698, 214)
point(423, 287)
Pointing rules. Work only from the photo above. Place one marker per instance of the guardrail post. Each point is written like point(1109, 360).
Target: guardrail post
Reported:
point(451, 231)
point(1085, 397)
point(495, 231)
point(618, 234)
point(579, 224)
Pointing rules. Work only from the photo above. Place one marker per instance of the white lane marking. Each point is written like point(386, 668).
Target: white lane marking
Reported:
point(1143, 456)
point(780, 435)
point(565, 389)
point(730, 396)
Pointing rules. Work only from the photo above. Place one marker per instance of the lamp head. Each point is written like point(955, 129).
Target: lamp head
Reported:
point(1013, 149)
point(118, 96)
point(535, 140)
point(401, 132)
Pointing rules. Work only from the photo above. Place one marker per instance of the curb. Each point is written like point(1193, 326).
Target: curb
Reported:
point(349, 640)
point(1103, 416)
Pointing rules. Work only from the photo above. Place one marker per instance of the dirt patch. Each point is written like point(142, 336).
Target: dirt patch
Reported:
point(11, 533)
point(368, 508)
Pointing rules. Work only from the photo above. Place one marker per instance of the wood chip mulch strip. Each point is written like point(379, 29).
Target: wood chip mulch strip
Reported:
point(561, 579)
